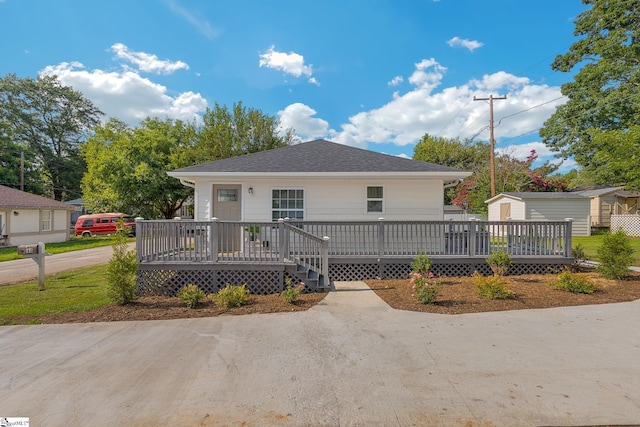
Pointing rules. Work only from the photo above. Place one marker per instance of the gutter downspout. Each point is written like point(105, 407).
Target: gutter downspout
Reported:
point(186, 183)
point(446, 185)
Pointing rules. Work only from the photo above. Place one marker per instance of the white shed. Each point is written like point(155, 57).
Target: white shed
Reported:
point(543, 207)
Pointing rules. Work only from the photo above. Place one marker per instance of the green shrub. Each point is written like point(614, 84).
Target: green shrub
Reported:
point(121, 269)
point(292, 292)
point(231, 296)
point(191, 295)
point(492, 287)
point(421, 264)
point(577, 252)
point(572, 282)
point(425, 288)
point(499, 262)
point(615, 255)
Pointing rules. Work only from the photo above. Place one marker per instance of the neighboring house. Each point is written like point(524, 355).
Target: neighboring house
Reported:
point(26, 218)
point(318, 181)
point(608, 200)
point(543, 206)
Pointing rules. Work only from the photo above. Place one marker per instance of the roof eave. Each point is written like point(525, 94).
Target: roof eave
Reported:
point(445, 175)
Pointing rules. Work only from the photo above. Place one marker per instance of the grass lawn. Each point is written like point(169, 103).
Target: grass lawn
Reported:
point(75, 244)
point(592, 243)
point(76, 290)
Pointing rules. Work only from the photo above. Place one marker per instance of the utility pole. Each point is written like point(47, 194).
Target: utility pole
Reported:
point(22, 171)
point(492, 142)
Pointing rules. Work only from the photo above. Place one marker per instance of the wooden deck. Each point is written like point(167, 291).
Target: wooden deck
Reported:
point(318, 252)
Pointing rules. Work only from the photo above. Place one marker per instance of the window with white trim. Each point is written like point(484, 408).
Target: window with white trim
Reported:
point(45, 221)
point(287, 203)
point(374, 199)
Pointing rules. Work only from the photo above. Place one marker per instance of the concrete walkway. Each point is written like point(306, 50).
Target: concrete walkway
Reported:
point(349, 361)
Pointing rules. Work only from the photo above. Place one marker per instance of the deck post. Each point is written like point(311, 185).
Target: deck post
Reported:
point(213, 239)
point(325, 259)
point(139, 238)
point(473, 235)
point(283, 240)
point(380, 236)
point(568, 250)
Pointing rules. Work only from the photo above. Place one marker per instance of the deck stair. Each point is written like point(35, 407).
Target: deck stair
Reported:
point(312, 279)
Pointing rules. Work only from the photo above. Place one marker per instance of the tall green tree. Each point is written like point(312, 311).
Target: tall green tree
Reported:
point(17, 164)
point(604, 96)
point(52, 121)
point(127, 167)
point(464, 155)
point(240, 130)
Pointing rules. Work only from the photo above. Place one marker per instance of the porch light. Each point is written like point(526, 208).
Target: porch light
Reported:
point(250, 190)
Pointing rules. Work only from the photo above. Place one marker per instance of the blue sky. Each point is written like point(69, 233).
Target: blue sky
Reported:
point(376, 74)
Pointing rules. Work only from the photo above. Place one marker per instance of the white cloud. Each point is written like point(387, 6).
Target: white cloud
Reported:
point(396, 81)
point(428, 74)
point(469, 44)
point(126, 95)
point(290, 63)
point(299, 117)
point(451, 112)
point(147, 62)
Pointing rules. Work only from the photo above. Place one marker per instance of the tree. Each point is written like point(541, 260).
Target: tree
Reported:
point(605, 94)
point(512, 175)
point(11, 155)
point(227, 133)
point(52, 121)
point(127, 168)
point(465, 155)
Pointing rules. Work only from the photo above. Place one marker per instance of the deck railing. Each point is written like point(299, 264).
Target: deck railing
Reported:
point(303, 241)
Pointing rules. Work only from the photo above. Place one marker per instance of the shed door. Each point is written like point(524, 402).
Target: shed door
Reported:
point(226, 207)
point(505, 211)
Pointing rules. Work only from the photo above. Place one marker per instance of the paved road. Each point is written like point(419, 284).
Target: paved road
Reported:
point(22, 270)
point(349, 361)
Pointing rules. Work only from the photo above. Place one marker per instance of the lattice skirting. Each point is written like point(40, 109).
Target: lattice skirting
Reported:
point(400, 270)
point(168, 281)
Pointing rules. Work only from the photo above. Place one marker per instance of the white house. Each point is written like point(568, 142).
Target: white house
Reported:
point(26, 218)
point(543, 206)
point(318, 181)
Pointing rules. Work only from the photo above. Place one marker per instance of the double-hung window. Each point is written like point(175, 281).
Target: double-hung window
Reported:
point(375, 199)
point(287, 203)
point(45, 222)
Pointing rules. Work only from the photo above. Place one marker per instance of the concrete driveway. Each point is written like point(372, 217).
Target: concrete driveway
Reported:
point(350, 361)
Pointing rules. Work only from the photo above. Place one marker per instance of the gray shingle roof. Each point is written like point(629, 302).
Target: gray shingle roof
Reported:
point(599, 191)
point(542, 195)
point(317, 156)
point(15, 199)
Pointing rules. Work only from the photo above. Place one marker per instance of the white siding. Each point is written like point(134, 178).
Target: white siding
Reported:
point(558, 210)
point(27, 221)
point(517, 208)
point(60, 220)
point(24, 228)
point(335, 199)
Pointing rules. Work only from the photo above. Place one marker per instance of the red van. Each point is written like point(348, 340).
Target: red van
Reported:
point(103, 224)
